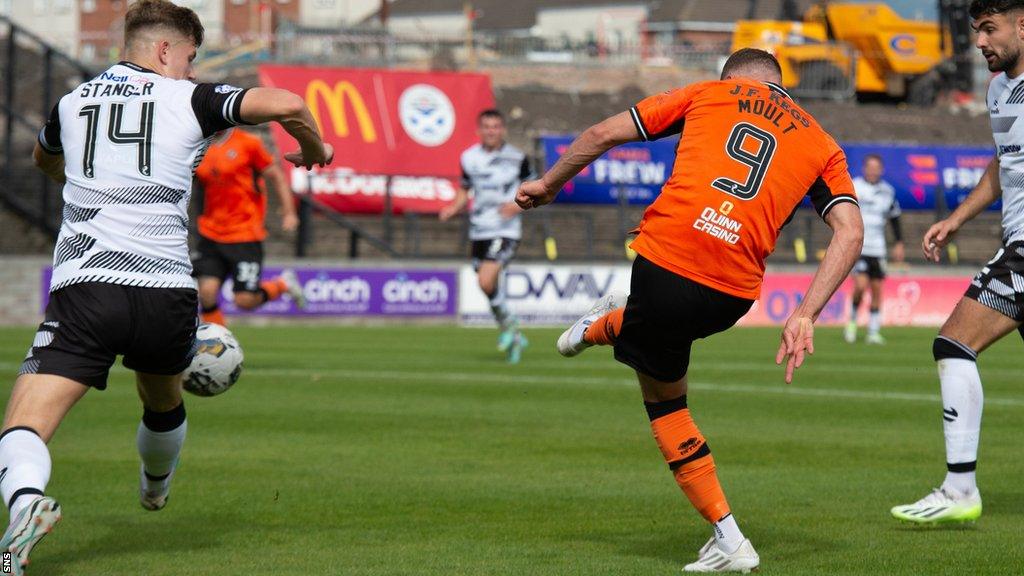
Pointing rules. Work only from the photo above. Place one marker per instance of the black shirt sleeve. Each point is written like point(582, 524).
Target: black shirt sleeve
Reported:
point(897, 229)
point(823, 200)
point(526, 170)
point(466, 182)
point(49, 136)
point(217, 107)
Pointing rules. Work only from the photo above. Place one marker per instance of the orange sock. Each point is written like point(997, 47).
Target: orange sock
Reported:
point(688, 457)
point(273, 288)
point(214, 316)
point(605, 329)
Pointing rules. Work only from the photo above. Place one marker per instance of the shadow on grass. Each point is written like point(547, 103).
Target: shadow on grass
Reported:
point(140, 536)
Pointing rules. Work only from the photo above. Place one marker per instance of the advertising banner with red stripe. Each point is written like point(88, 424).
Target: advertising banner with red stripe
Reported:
point(392, 130)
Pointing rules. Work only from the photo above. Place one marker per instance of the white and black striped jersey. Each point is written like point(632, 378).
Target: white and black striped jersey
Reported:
point(1006, 109)
point(131, 140)
point(878, 207)
point(494, 176)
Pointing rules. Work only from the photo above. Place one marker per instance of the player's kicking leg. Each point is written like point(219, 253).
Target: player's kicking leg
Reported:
point(971, 328)
point(37, 405)
point(653, 334)
point(160, 436)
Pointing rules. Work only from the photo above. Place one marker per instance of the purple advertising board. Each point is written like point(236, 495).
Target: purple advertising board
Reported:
point(370, 292)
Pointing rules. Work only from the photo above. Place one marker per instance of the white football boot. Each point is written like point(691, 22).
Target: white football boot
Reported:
point(33, 522)
point(153, 495)
point(941, 507)
point(294, 287)
point(850, 332)
point(711, 558)
point(571, 342)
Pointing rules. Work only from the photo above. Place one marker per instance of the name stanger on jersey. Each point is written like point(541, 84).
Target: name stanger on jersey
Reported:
point(104, 89)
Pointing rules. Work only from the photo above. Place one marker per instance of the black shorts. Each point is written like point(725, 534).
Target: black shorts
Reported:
point(242, 261)
point(872, 266)
point(1000, 284)
point(87, 325)
point(664, 314)
point(500, 250)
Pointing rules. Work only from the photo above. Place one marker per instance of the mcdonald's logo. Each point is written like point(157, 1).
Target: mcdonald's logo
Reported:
point(334, 99)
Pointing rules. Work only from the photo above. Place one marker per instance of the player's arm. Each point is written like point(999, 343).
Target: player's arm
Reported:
point(461, 196)
point(984, 194)
point(898, 250)
point(49, 163)
point(835, 200)
point(843, 251)
point(262, 105)
point(588, 147)
point(455, 206)
point(48, 154)
point(273, 174)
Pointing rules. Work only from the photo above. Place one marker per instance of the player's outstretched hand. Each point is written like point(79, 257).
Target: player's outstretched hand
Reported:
point(316, 158)
point(936, 238)
point(797, 339)
point(534, 194)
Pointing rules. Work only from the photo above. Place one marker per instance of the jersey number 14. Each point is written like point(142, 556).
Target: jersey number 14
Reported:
point(142, 138)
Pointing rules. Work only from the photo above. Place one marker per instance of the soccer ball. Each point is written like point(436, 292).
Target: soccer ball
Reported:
point(217, 363)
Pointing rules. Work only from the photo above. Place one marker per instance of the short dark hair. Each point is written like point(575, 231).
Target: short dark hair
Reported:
point(490, 113)
point(146, 14)
point(750, 58)
point(873, 156)
point(981, 8)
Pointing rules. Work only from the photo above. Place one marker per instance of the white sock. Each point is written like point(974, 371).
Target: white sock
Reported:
point(727, 534)
point(24, 468)
point(962, 401)
point(874, 321)
point(159, 449)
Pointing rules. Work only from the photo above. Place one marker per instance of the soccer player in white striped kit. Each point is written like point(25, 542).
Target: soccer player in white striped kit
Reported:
point(125, 144)
point(993, 305)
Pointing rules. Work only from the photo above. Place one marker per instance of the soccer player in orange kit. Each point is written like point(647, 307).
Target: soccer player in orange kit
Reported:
point(747, 157)
point(231, 231)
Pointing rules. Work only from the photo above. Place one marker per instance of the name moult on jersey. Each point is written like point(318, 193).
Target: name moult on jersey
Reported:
point(718, 225)
point(770, 105)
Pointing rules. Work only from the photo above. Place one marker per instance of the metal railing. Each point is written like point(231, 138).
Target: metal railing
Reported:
point(34, 76)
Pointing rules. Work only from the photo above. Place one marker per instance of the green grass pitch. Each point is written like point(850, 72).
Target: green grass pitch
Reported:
point(417, 451)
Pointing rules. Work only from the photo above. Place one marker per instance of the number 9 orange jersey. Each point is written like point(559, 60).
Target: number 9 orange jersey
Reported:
point(747, 157)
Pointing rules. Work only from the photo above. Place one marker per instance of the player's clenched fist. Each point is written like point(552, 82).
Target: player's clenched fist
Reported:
point(533, 194)
point(937, 237)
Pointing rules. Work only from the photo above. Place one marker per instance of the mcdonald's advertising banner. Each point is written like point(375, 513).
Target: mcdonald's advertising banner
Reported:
point(397, 130)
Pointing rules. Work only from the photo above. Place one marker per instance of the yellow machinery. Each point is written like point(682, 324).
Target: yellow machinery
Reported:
point(841, 48)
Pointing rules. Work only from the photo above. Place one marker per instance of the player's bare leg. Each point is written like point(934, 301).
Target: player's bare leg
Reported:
point(970, 329)
point(690, 460)
point(36, 408)
point(874, 335)
point(510, 339)
point(160, 436)
point(210, 312)
point(860, 285)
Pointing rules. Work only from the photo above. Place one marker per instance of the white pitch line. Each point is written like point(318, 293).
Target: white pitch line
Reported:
point(771, 389)
point(470, 377)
